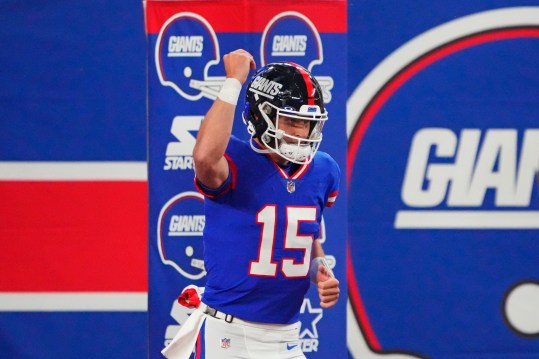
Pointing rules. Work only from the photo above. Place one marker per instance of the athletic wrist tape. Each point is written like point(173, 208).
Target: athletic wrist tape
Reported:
point(315, 263)
point(230, 92)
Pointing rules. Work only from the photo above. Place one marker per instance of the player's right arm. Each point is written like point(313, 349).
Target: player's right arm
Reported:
point(211, 167)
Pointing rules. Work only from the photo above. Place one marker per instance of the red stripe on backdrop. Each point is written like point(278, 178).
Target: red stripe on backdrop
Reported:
point(247, 16)
point(359, 309)
point(73, 236)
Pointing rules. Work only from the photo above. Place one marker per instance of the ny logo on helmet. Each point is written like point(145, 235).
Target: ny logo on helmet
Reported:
point(291, 37)
point(186, 48)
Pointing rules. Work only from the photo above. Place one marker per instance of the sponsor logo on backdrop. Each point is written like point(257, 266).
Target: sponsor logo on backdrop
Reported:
point(179, 234)
point(292, 36)
point(179, 153)
point(308, 333)
point(310, 316)
point(462, 168)
point(186, 48)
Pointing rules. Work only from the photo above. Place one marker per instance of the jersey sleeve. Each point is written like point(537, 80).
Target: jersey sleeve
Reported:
point(211, 192)
point(228, 184)
point(334, 174)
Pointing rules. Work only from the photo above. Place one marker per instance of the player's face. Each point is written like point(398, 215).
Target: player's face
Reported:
point(294, 126)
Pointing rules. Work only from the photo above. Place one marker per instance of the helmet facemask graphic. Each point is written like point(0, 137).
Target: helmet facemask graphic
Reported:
point(285, 111)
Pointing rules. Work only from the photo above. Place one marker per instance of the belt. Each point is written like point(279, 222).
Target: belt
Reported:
point(212, 312)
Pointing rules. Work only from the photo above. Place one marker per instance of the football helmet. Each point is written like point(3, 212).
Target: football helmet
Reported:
point(284, 90)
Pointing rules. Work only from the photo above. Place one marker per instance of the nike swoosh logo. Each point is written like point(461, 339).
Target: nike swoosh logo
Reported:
point(291, 346)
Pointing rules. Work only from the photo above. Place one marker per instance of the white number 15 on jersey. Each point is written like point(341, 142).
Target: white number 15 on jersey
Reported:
point(267, 217)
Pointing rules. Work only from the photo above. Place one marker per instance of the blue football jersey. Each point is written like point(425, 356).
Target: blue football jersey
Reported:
point(259, 233)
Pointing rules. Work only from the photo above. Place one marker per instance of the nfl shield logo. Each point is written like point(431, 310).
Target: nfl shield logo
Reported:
point(290, 186)
point(225, 343)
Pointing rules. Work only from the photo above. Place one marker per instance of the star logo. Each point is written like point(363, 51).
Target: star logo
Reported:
point(309, 317)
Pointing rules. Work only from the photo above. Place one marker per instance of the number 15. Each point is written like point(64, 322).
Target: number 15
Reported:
point(267, 217)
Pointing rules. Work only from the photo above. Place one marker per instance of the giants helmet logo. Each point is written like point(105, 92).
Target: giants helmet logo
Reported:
point(186, 48)
point(292, 37)
point(445, 128)
point(179, 234)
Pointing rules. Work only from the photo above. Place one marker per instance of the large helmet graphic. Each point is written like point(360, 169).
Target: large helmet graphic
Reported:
point(279, 91)
point(292, 37)
point(179, 234)
point(186, 48)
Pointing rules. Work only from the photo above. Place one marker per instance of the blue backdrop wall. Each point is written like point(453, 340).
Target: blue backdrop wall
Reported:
point(443, 149)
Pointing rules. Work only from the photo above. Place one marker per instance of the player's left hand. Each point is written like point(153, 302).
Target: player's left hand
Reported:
point(328, 288)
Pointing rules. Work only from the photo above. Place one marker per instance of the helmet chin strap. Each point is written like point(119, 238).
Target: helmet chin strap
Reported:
point(256, 149)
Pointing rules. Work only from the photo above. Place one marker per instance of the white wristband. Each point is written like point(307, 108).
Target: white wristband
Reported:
point(315, 263)
point(230, 92)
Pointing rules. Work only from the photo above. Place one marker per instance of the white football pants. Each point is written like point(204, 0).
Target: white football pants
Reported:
point(248, 340)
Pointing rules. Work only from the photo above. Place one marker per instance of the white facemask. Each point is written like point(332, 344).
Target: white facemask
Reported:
point(295, 152)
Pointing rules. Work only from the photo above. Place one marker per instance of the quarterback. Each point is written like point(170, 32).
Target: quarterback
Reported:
point(264, 200)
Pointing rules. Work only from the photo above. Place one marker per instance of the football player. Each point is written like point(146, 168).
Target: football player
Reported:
point(263, 208)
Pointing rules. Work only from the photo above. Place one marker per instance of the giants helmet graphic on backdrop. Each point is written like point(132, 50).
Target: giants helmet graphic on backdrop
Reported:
point(186, 48)
point(291, 36)
point(179, 234)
